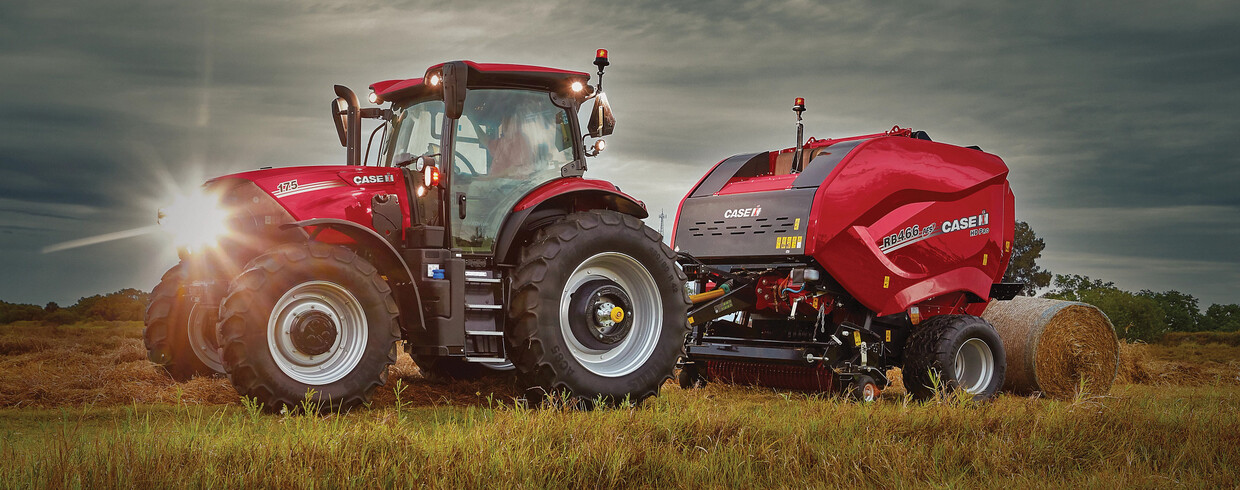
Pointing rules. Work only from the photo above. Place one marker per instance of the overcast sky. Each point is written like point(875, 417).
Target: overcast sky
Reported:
point(1118, 119)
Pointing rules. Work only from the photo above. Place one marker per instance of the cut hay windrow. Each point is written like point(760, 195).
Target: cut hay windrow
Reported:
point(1053, 345)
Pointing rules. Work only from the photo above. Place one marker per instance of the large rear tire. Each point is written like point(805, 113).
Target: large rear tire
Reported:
point(180, 332)
point(309, 322)
point(964, 352)
point(599, 310)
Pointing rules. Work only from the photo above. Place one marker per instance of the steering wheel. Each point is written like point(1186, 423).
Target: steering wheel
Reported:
point(461, 158)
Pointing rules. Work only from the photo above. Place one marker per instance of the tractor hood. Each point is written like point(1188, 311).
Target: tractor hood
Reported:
point(335, 191)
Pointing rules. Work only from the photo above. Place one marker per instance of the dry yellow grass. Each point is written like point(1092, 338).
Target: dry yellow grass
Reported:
point(104, 364)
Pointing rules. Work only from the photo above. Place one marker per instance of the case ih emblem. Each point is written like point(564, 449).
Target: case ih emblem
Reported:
point(373, 179)
point(743, 212)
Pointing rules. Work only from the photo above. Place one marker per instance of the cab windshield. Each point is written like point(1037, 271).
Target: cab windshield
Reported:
point(416, 128)
point(507, 143)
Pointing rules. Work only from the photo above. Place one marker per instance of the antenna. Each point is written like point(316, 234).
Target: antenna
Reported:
point(662, 217)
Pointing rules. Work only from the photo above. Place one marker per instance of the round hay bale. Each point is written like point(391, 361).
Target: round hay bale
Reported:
point(1052, 345)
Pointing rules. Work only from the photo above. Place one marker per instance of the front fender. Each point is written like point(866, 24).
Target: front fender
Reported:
point(391, 262)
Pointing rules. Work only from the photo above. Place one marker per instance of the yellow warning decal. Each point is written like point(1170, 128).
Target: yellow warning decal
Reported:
point(984, 257)
point(1008, 245)
point(690, 320)
point(886, 282)
point(796, 225)
point(857, 337)
point(889, 335)
point(789, 242)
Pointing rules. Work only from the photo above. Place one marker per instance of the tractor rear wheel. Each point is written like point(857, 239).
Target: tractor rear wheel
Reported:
point(180, 332)
point(954, 352)
point(309, 326)
point(599, 310)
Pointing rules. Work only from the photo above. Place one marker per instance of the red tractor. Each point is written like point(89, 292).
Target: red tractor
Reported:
point(473, 238)
point(822, 266)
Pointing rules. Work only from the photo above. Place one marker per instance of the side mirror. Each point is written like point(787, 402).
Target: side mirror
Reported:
point(602, 122)
point(346, 116)
point(455, 74)
point(340, 116)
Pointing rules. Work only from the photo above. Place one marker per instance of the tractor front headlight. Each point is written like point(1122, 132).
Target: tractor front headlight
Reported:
point(195, 220)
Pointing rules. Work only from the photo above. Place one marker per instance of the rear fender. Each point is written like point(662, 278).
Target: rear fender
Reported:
point(549, 203)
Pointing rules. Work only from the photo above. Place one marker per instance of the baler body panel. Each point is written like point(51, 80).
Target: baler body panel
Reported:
point(902, 220)
point(894, 220)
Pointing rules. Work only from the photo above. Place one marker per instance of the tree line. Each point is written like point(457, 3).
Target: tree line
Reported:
point(126, 304)
point(1143, 315)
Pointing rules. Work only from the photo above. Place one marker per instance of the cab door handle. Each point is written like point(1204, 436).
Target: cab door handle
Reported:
point(460, 204)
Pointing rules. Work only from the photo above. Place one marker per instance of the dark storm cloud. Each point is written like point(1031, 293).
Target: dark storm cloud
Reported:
point(1117, 118)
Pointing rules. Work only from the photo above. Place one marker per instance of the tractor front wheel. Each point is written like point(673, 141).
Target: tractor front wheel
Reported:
point(180, 331)
point(599, 310)
point(309, 326)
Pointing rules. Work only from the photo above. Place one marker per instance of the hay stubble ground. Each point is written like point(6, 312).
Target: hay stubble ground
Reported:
point(83, 407)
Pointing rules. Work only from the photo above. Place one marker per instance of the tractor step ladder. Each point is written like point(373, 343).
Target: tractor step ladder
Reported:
point(484, 316)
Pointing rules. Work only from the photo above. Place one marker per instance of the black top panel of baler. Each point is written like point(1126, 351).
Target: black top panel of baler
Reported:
point(817, 170)
point(734, 226)
point(750, 165)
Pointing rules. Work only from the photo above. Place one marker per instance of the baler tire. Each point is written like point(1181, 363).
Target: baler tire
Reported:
point(319, 277)
point(690, 377)
point(862, 388)
point(540, 334)
point(166, 334)
point(937, 345)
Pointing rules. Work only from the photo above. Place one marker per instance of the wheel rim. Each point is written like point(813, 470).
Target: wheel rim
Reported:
point(632, 278)
point(869, 392)
point(202, 339)
point(317, 332)
point(975, 366)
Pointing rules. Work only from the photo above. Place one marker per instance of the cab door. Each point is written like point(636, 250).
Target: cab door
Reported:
point(507, 143)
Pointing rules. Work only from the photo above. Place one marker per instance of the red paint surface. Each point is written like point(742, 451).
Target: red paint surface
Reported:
point(566, 185)
point(330, 192)
point(892, 182)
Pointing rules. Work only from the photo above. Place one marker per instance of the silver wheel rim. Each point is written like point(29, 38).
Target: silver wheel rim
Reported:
point(975, 366)
point(202, 338)
point(351, 331)
point(631, 353)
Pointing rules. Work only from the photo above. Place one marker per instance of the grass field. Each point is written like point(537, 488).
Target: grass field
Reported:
point(84, 408)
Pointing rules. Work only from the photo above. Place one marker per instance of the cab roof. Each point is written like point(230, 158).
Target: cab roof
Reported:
point(485, 75)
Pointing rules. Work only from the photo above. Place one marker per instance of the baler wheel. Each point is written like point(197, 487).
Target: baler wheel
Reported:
point(180, 334)
point(309, 322)
point(599, 310)
point(691, 377)
point(963, 351)
point(862, 388)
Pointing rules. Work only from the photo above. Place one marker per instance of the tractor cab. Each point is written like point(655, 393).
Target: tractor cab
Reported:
point(474, 139)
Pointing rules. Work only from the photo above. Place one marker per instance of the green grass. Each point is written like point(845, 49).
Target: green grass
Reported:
point(1139, 436)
